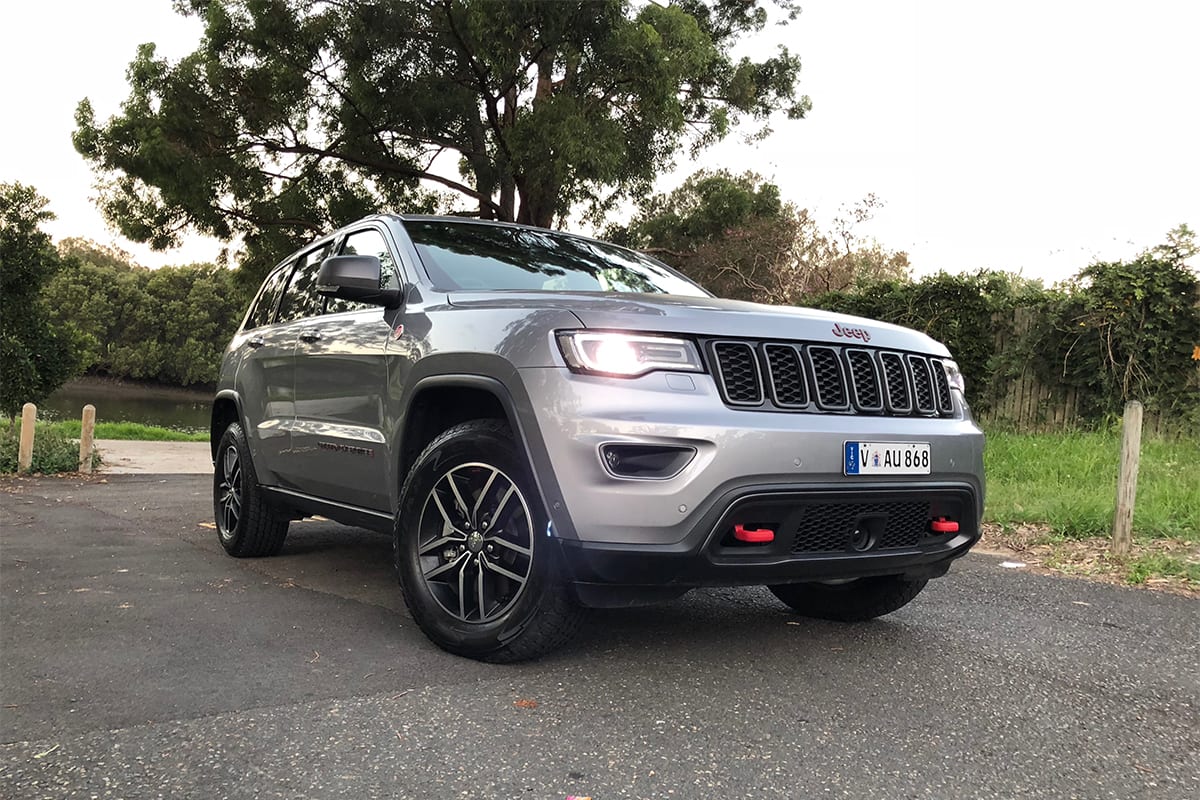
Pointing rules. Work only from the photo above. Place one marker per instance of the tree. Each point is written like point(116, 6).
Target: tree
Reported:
point(297, 115)
point(169, 325)
point(35, 358)
point(1130, 328)
point(736, 236)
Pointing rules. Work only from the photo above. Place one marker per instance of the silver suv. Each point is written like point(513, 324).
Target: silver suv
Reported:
point(545, 422)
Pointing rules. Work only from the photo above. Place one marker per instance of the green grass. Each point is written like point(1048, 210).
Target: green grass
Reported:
point(134, 431)
point(1069, 481)
point(126, 430)
point(1161, 564)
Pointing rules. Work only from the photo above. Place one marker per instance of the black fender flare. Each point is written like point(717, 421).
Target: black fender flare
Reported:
point(503, 382)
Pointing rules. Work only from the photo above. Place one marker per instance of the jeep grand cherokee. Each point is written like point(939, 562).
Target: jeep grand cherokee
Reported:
point(544, 422)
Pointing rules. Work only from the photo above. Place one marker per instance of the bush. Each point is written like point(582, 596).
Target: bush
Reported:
point(968, 313)
point(1118, 331)
point(1125, 331)
point(52, 452)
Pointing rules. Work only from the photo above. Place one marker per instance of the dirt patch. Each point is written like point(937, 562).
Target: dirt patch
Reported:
point(1039, 549)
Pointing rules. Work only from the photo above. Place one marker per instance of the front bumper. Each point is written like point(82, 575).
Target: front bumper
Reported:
point(814, 541)
point(669, 533)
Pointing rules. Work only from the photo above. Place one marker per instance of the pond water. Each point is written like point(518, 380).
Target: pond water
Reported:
point(179, 409)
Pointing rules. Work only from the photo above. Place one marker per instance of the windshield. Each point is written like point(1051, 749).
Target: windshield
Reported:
point(469, 255)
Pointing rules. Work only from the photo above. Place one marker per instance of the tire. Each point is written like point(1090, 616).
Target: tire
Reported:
point(478, 578)
point(856, 601)
point(248, 526)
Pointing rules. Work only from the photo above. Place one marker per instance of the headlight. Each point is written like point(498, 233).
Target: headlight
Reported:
point(955, 376)
point(627, 355)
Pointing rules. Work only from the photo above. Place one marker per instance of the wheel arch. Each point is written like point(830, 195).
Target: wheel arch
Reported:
point(226, 409)
point(437, 402)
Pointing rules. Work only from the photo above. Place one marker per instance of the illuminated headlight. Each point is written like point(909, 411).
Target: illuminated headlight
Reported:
point(627, 355)
point(955, 376)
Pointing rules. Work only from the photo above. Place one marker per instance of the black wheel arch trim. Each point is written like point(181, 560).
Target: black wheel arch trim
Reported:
point(214, 436)
point(497, 376)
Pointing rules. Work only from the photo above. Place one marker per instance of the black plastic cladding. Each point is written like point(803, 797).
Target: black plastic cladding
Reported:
point(786, 375)
point(831, 527)
point(737, 369)
point(899, 398)
point(821, 378)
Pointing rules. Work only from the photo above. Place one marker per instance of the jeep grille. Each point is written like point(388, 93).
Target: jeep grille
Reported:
point(828, 379)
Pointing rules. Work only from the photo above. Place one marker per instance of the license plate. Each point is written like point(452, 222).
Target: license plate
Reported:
point(887, 458)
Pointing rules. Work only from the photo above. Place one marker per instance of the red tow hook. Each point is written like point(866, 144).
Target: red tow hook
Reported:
point(943, 525)
point(753, 535)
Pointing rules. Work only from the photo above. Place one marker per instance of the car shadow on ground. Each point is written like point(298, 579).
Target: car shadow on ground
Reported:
point(357, 564)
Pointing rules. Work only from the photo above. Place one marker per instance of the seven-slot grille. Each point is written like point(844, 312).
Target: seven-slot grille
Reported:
point(819, 378)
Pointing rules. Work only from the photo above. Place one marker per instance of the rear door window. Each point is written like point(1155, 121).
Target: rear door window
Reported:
point(268, 298)
point(301, 300)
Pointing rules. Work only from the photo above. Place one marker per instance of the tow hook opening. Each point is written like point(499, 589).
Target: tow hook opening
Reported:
point(866, 533)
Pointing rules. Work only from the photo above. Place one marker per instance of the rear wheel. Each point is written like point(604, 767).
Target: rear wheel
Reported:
point(854, 601)
point(477, 577)
point(247, 524)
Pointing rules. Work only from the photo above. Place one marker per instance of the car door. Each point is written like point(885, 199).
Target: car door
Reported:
point(341, 390)
point(299, 307)
point(264, 378)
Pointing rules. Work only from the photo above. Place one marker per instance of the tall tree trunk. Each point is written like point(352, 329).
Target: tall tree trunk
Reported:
point(539, 190)
point(481, 165)
point(508, 186)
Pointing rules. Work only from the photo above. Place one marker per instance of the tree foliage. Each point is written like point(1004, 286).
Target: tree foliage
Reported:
point(35, 356)
point(1117, 331)
point(968, 313)
point(1127, 330)
point(169, 325)
point(736, 236)
point(294, 116)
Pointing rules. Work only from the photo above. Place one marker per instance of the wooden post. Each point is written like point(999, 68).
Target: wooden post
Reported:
point(25, 449)
point(1131, 450)
point(87, 431)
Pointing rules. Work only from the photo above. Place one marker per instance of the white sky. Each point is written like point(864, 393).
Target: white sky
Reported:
point(1028, 136)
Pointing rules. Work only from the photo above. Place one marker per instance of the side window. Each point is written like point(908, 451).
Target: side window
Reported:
point(367, 243)
point(301, 300)
point(268, 297)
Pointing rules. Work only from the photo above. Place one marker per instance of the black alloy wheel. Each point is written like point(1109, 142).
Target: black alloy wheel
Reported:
point(475, 542)
point(229, 492)
point(480, 571)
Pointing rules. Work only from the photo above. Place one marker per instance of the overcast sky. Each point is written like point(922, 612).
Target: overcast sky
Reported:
point(1034, 137)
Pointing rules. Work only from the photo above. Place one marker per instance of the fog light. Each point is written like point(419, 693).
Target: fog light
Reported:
point(645, 461)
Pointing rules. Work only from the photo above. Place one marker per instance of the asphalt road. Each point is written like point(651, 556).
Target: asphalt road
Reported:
point(140, 661)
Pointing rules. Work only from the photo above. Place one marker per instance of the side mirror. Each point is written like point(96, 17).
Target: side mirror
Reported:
point(356, 278)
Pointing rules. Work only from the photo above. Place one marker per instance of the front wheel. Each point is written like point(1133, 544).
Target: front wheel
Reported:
point(853, 601)
point(477, 571)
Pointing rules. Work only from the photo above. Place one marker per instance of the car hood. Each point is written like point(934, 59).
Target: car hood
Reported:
point(709, 317)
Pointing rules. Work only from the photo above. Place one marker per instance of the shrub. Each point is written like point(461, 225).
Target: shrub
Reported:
point(52, 452)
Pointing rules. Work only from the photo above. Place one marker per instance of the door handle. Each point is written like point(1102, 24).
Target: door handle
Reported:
point(256, 342)
point(311, 335)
